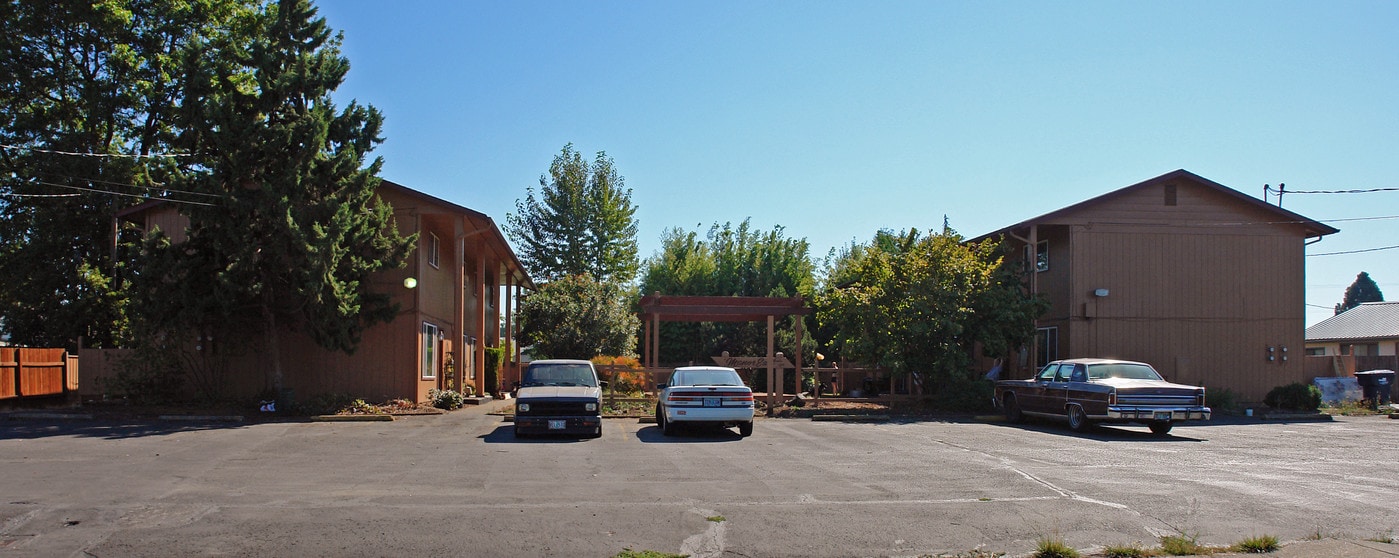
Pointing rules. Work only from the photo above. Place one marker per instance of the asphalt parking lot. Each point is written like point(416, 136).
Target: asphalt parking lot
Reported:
point(460, 484)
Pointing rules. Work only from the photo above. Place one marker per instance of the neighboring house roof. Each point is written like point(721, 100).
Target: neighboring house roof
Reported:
point(1311, 227)
point(1371, 320)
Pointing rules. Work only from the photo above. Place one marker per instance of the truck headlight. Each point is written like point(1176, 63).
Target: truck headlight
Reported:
point(522, 408)
point(590, 407)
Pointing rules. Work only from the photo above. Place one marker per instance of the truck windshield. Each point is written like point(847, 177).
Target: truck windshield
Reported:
point(562, 374)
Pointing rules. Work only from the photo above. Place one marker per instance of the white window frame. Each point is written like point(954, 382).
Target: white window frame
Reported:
point(433, 245)
point(431, 350)
point(1043, 346)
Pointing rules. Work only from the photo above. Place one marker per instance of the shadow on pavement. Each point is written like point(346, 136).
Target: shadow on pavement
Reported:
point(1105, 433)
point(106, 429)
point(505, 434)
point(688, 435)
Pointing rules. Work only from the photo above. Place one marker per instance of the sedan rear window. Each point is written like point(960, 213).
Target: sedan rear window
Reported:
point(1122, 370)
point(707, 378)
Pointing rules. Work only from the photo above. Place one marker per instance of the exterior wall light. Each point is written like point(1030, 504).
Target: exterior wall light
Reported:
point(1100, 292)
point(410, 283)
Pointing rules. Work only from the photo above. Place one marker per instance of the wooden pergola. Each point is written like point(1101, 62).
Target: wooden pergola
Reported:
point(656, 308)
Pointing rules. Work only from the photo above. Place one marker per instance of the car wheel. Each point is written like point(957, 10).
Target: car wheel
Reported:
point(1160, 427)
point(1012, 407)
point(1078, 420)
point(667, 429)
point(745, 429)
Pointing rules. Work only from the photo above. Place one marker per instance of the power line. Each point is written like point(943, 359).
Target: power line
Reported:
point(141, 196)
point(1280, 190)
point(157, 187)
point(104, 155)
point(1355, 251)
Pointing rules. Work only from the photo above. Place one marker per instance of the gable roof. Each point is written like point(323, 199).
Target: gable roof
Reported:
point(1370, 320)
point(1311, 228)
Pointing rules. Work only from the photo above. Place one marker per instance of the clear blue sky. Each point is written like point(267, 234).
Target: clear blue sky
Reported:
point(837, 119)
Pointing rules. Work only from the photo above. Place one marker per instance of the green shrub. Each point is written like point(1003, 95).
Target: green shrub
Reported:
point(1294, 397)
point(446, 399)
point(1257, 545)
point(1222, 400)
point(1053, 548)
point(494, 357)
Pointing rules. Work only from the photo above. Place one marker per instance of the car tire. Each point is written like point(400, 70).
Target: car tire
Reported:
point(1078, 420)
point(667, 429)
point(745, 429)
point(1012, 407)
point(1160, 427)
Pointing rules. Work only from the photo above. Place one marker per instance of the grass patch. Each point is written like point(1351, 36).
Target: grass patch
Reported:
point(1182, 545)
point(715, 518)
point(1048, 547)
point(629, 553)
point(1257, 545)
point(1353, 409)
point(1133, 550)
point(1386, 537)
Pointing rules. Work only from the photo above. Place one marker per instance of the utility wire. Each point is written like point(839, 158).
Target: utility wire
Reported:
point(157, 187)
point(104, 155)
point(1280, 191)
point(1355, 251)
point(141, 196)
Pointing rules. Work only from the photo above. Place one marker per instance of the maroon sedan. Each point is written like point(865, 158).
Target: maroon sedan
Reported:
point(1086, 391)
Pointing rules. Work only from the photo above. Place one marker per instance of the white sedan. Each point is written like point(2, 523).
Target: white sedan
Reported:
point(705, 395)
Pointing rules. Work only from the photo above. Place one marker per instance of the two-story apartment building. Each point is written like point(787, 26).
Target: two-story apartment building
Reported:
point(1199, 280)
point(459, 286)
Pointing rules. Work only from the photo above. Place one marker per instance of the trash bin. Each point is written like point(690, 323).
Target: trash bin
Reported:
point(1376, 385)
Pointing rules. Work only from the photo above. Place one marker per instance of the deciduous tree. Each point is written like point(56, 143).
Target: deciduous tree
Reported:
point(577, 316)
point(920, 304)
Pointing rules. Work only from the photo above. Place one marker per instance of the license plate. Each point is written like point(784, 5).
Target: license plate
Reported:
point(1163, 415)
point(557, 424)
point(713, 401)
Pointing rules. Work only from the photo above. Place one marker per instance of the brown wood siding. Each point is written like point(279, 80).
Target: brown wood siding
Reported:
point(1199, 289)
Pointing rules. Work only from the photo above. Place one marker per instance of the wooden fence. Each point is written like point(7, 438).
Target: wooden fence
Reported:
point(29, 372)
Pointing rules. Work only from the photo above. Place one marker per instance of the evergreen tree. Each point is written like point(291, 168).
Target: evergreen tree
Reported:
point(582, 221)
point(1361, 291)
point(88, 111)
point(297, 230)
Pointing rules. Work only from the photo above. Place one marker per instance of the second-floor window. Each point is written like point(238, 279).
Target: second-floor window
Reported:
point(432, 247)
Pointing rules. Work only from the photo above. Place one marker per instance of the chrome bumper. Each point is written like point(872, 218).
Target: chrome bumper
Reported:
point(1158, 413)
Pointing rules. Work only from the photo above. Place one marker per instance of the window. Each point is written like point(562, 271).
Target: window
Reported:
point(1047, 375)
point(431, 348)
point(432, 247)
point(1316, 351)
point(1041, 255)
point(1047, 344)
